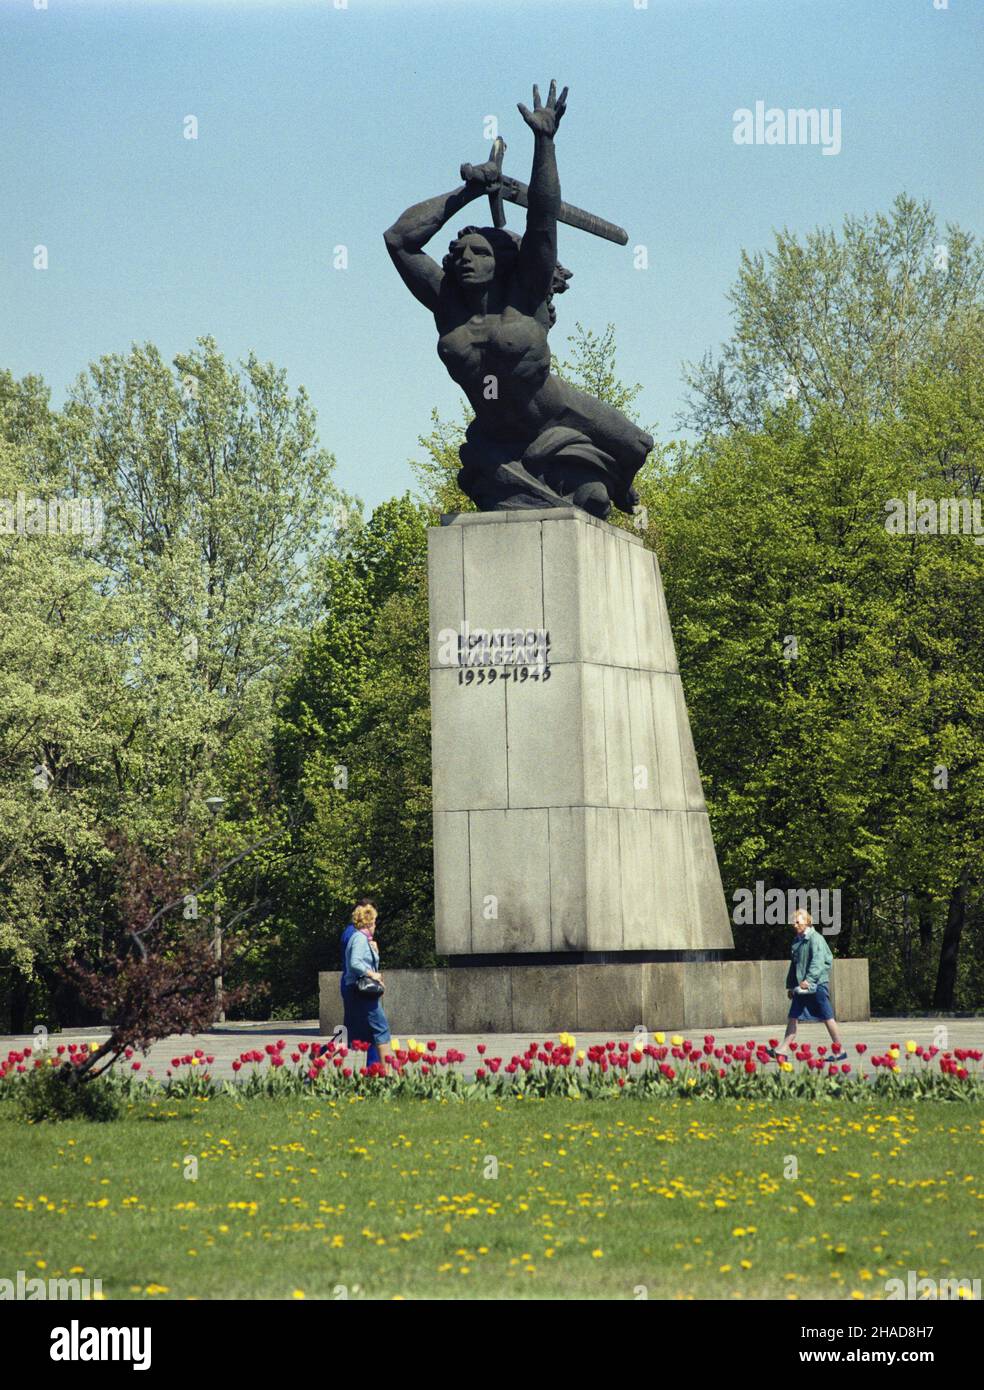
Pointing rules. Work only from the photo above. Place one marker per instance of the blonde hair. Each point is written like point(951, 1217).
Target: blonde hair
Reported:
point(802, 912)
point(364, 917)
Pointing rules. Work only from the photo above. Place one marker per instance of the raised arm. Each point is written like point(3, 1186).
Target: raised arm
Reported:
point(538, 253)
point(414, 228)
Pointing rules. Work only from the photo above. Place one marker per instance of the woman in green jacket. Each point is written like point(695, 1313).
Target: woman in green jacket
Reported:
point(807, 984)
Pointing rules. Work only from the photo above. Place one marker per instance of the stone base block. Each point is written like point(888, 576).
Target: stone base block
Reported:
point(596, 998)
point(663, 994)
point(479, 1001)
point(544, 998)
point(609, 997)
point(772, 982)
point(849, 990)
point(741, 993)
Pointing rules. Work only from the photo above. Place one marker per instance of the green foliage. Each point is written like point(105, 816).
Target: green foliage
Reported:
point(56, 1093)
point(825, 769)
point(138, 667)
point(353, 745)
point(839, 321)
point(437, 471)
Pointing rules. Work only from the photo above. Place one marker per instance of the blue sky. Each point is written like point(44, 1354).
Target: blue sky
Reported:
point(317, 125)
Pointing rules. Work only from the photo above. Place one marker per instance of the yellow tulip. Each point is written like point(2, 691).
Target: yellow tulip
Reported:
point(660, 1038)
point(676, 1040)
point(910, 1046)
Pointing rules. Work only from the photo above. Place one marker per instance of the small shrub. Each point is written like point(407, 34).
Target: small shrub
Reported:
point(56, 1093)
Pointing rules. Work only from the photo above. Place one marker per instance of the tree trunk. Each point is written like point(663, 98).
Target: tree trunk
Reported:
point(925, 912)
point(946, 978)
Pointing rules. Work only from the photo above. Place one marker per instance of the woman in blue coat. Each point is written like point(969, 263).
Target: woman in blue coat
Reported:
point(363, 1009)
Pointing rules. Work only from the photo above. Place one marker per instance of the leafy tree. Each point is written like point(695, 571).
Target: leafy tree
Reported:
point(65, 708)
point(852, 376)
point(353, 754)
point(841, 321)
point(146, 664)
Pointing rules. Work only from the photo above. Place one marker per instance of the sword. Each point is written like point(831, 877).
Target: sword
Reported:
point(513, 191)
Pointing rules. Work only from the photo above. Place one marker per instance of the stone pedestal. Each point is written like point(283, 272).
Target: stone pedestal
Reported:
point(596, 997)
point(568, 809)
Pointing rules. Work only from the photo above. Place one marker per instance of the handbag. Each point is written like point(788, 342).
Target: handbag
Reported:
point(371, 987)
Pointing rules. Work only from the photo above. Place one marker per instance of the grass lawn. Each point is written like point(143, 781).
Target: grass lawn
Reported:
point(606, 1199)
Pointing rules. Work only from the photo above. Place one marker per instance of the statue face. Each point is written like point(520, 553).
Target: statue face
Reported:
point(474, 260)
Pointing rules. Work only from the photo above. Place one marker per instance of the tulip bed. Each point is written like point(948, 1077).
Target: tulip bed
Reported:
point(658, 1196)
point(683, 1066)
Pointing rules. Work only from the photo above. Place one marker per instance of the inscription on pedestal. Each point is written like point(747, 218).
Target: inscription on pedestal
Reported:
point(568, 810)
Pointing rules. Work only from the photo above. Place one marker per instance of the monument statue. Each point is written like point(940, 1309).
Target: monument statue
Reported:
point(576, 884)
point(536, 441)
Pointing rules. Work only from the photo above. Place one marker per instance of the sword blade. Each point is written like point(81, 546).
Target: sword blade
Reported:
point(515, 192)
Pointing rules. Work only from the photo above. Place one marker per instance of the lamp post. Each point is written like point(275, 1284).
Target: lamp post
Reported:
point(215, 804)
